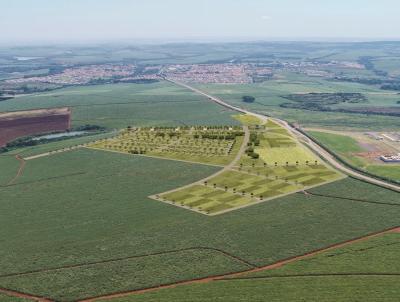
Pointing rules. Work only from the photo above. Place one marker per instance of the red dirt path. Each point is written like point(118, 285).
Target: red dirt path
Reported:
point(20, 169)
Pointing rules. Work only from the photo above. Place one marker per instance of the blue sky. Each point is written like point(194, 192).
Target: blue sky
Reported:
point(106, 20)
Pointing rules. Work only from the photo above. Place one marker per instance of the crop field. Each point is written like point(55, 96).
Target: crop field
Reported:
point(89, 209)
point(117, 106)
point(269, 98)
point(281, 166)
point(210, 145)
point(8, 298)
point(363, 271)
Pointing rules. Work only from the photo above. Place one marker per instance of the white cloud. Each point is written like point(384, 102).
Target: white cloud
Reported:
point(266, 17)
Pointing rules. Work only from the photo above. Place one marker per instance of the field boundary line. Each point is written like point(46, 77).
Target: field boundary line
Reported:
point(22, 295)
point(45, 270)
point(257, 269)
point(354, 199)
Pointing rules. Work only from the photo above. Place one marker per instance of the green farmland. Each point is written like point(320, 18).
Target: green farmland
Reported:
point(89, 209)
point(120, 105)
point(363, 271)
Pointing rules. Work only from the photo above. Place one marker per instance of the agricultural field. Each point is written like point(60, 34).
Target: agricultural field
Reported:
point(117, 106)
point(209, 145)
point(361, 151)
point(87, 217)
point(363, 271)
point(270, 97)
point(274, 164)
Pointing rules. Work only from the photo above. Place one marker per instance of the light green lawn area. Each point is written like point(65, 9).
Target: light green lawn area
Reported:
point(285, 155)
point(339, 143)
point(248, 120)
point(206, 199)
point(236, 188)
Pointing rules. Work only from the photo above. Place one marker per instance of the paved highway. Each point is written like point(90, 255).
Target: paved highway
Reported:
point(306, 140)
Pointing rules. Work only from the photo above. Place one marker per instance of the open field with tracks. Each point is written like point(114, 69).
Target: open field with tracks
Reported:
point(363, 271)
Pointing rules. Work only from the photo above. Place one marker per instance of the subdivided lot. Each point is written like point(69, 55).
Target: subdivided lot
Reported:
point(246, 186)
point(210, 145)
point(363, 271)
point(89, 209)
point(120, 105)
point(274, 164)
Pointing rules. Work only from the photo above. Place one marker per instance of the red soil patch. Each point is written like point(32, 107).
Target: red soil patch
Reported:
point(396, 230)
point(23, 123)
point(369, 155)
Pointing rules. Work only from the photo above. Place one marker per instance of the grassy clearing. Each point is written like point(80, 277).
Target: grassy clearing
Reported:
point(347, 148)
point(295, 281)
point(88, 206)
point(392, 172)
point(339, 143)
point(210, 145)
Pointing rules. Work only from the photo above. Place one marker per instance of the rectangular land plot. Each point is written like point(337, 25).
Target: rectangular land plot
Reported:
point(209, 145)
point(206, 199)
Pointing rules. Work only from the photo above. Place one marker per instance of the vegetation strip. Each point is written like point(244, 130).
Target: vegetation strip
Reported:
point(131, 257)
point(257, 269)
